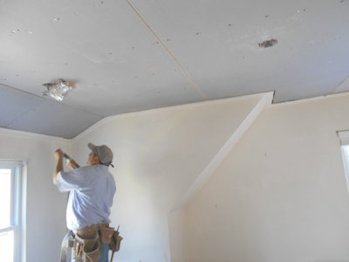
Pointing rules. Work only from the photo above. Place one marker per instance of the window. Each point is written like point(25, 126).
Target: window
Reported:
point(344, 140)
point(345, 155)
point(11, 193)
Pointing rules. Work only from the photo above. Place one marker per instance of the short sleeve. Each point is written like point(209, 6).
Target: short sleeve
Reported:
point(67, 181)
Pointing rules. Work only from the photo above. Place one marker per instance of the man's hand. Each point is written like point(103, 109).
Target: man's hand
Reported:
point(72, 164)
point(58, 154)
point(59, 164)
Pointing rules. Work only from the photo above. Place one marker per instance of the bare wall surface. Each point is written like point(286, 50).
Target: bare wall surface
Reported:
point(280, 195)
point(45, 206)
point(158, 155)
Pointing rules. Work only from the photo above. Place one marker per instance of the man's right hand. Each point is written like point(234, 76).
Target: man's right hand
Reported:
point(72, 164)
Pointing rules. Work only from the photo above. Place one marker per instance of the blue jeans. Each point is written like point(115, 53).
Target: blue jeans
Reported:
point(104, 249)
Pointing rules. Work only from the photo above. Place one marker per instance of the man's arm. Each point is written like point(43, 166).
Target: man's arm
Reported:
point(59, 164)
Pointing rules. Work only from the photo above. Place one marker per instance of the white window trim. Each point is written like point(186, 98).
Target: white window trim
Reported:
point(18, 210)
point(343, 137)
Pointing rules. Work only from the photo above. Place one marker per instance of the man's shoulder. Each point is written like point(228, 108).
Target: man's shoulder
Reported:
point(97, 169)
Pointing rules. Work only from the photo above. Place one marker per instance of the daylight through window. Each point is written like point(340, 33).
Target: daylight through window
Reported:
point(10, 210)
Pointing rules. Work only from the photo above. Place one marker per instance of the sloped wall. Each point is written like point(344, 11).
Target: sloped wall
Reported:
point(45, 206)
point(281, 194)
point(158, 155)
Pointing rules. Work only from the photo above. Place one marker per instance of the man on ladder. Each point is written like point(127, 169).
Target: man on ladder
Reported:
point(91, 192)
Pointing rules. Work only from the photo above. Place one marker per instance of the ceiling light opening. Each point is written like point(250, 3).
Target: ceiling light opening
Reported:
point(58, 89)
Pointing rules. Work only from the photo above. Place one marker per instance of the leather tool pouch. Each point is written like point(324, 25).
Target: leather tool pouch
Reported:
point(106, 234)
point(115, 241)
point(91, 255)
point(86, 249)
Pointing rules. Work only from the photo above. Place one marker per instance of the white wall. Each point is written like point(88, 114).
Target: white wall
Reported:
point(158, 155)
point(45, 220)
point(281, 194)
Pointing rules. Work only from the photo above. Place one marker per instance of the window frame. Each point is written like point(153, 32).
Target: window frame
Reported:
point(17, 212)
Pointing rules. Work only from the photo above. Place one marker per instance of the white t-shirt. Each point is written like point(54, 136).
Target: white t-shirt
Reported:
point(92, 190)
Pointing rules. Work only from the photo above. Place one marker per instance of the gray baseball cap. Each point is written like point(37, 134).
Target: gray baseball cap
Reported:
point(104, 153)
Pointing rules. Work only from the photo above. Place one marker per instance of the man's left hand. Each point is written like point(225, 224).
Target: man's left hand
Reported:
point(58, 154)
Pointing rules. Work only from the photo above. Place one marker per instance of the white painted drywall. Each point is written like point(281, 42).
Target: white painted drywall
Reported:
point(158, 155)
point(45, 216)
point(281, 194)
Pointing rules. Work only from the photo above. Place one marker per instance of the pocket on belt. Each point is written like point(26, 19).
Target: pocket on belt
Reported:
point(91, 255)
point(106, 234)
point(86, 248)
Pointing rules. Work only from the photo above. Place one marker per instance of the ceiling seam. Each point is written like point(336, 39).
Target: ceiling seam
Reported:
point(185, 73)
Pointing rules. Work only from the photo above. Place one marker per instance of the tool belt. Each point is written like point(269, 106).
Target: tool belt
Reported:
point(87, 241)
